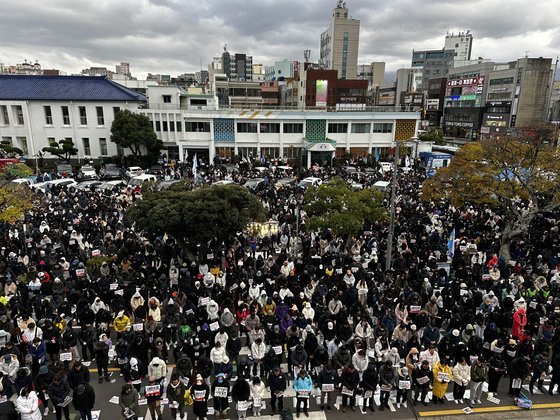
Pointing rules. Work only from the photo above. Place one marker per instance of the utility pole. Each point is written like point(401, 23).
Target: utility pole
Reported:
point(392, 208)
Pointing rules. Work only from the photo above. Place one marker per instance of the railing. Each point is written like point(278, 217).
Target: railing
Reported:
point(265, 107)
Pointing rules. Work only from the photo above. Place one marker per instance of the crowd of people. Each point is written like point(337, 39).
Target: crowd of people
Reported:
point(308, 310)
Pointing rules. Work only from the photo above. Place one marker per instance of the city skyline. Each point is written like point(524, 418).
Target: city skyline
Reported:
point(174, 37)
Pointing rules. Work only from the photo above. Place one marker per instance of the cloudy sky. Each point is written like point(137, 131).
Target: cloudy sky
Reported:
point(175, 36)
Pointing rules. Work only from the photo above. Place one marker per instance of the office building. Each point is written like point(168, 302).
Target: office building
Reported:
point(374, 73)
point(339, 43)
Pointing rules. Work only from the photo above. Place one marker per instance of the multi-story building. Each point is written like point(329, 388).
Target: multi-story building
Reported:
point(339, 43)
point(374, 73)
point(237, 66)
point(123, 68)
point(285, 68)
point(36, 110)
point(435, 101)
point(408, 81)
point(97, 71)
point(232, 93)
point(313, 137)
point(436, 63)
point(490, 98)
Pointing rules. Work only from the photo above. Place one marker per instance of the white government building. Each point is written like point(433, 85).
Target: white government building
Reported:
point(34, 110)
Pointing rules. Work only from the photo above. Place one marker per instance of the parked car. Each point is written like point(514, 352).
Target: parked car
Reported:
point(254, 183)
point(110, 171)
point(64, 170)
point(63, 182)
point(310, 182)
point(109, 185)
point(165, 185)
point(223, 182)
point(133, 171)
point(286, 182)
point(87, 173)
point(137, 181)
point(89, 185)
point(23, 181)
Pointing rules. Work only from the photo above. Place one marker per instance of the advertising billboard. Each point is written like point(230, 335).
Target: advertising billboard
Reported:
point(321, 89)
point(469, 86)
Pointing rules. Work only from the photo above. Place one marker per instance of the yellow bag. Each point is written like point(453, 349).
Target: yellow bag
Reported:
point(188, 397)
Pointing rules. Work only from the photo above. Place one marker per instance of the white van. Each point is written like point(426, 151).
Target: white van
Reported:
point(137, 181)
point(386, 166)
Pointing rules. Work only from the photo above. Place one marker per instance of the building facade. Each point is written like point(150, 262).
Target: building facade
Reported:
point(339, 43)
point(36, 110)
point(313, 136)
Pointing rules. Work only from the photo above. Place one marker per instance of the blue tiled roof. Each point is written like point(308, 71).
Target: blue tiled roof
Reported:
point(64, 88)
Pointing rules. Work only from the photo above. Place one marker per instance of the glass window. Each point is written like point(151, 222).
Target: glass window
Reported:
point(7, 140)
point(361, 127)
point(172, 126)
point(270, 127)
point(103, 146)
point(166, 99)
point(100, 116)
point(65, 115)
point(291, 128)
point(179, 126)
point(18, 111)
point(383, 127)
point(83, 115)
point(22, 144)
point(248, 152)
point(247, 127)
point(197, 126)
point(48, 115)
point(164, 126)
point(338, 128)
point(158, 126)
point(87, 148)
point(116, 110)
point(5, 118)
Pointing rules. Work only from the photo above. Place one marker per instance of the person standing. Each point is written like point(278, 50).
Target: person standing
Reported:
point(128, 401)
point(101, 352)
point(84, 400)
point(326, 380)
point(370, 379)
point(257, 393)
point(403, 386)
point(152, 392)
point(277, 383)
point(58, 390)
point(350, 380)
point(442, 377)
point(518, 371)
point(461, 378)
point(176, 394)
point(27, 405)
point(496, 369)
point(479, 374)
point(220, 392)
point(303, 385)
point(200, 392)
point(387, 379)
point(41, 382)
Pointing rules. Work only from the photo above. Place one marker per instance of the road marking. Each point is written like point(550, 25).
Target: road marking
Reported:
point(480, 410)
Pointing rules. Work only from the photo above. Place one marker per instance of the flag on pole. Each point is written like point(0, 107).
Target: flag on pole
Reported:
point(406, 161)
point(451, 244)
point(194, 166)
point(186, 155)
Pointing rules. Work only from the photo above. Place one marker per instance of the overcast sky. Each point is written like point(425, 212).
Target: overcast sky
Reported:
point(175, 36)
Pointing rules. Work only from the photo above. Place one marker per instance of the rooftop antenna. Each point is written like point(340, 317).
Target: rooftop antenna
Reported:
point(225, 47)
point(307, 55)
point(527, 53)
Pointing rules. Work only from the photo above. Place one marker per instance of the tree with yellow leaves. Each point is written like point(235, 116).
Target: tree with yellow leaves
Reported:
point(517, 175)
point(15, 201)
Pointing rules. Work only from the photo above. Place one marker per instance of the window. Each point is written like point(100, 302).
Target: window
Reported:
point(338, 128)
point(197, 126)
point(103, 147)
point(65, 115)
point(361, 127)
point(179, 126)
point(502, 81)
point(158, 126)
point(199, 102)
point(248, 152)
point(5, 118)
point(164, 126)
point(50, 140)
point(116, 110)
point(7, 140)
point(83, 115)
point(100, 116)
point(48, 115)
point(247, 127)
point(270, 127)
point(291, 128)
point(166, 99)
point(383, 127)
point(18, 111)
point(87, 148)
point(270, 152)
point(22, 144)
point(292, 152)
point(171, 126)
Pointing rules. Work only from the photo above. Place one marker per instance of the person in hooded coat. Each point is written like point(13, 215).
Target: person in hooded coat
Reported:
point(220, 392)
point(27, 405)
point(41, 382)
point(440, 382)
point(518, 325)
point(200, 392)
